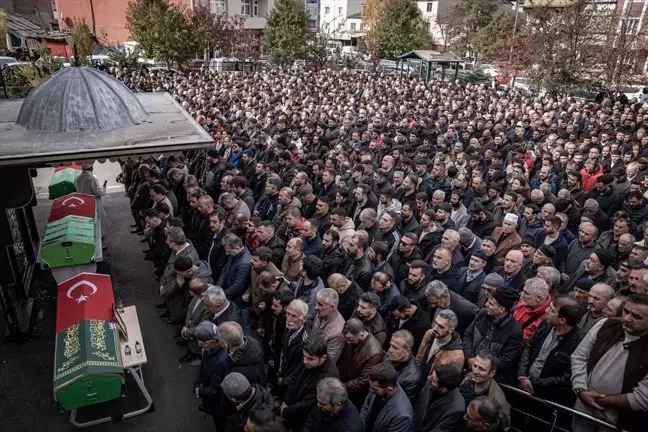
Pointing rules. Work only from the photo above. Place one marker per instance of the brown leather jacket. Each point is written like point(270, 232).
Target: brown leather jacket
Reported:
point(450, 353)
point(354, 365)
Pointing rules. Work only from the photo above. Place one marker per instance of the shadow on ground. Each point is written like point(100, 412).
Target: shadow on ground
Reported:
point(26, 370)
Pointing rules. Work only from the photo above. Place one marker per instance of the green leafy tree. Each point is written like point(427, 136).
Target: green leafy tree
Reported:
point(209, 29)
point(491, 41)
point(3, 28)
point(83, 42)
point(467, 19)
point(241, 43)
point(286, 36)
point(47, 62)
point(564, 48)
point(163, 30)
point(124, 58)
point(372, 14)
point(400, 29)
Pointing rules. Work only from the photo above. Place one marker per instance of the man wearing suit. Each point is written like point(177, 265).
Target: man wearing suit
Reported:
point(220, 307)
point(196, 313)
point(506, 236)
point(440, 406)
point(387, 408)
point(511, 271)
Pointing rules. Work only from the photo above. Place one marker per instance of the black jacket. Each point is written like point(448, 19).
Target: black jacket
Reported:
point(418, 324)
point(216, 255)
point(156, 248)
point(349, 300)
point(517, 282)
point(232, 313)
point(209, 378)
point(301, 396)
point(262, 400)
point(347, 420)
point(333, 259)
point(609, 202)
point(429, 241)
point(554, 382)
point(401, 264)
point(248, 361)
point(449, 278)
point(439, 414)
point(409, 377)
point(464, 310)
point(291, 354)
point(470, 290)
point(482, 228)
point(359, 270)
point(505, 342)
point(376, 326)
point(278, 249)
point(414, 292)
point(201, 236)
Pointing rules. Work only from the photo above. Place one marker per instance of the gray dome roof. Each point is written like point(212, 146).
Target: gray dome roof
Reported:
point(80, 99)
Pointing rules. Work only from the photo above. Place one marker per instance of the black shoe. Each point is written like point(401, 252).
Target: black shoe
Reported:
point(172, 322)
point(146, 251)
point(161, 306)
point(144, 240)
point(136, 231)
point(186, 358)
point(182, 342)
point(133, 226)
point(165, 315)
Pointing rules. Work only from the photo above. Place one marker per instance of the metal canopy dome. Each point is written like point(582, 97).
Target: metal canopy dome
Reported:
point(80, 99)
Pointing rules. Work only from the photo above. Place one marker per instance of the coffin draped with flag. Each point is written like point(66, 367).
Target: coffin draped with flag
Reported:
point(87, 362)
point(70, 235)
point(62, 181)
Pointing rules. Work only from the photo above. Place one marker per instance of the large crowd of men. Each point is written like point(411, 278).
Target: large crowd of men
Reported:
point(365, 252)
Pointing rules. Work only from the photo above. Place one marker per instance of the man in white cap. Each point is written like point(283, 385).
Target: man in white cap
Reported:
point(87, 183)
point(506, 236)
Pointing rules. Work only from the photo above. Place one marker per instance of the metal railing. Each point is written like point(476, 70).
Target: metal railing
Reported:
point(555, 410)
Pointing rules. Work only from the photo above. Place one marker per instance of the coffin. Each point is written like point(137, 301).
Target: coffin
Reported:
point(62, 182)
point(74, 204)
point(68, 241)
point(87, 364)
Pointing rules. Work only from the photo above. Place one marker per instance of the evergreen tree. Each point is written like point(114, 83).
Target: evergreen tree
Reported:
point(400, 29)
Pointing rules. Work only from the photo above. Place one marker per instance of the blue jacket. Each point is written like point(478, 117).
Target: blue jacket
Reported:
point(535, 182)
point(236, 275)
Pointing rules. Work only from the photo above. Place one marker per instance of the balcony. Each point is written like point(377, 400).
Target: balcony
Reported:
point(256, 23)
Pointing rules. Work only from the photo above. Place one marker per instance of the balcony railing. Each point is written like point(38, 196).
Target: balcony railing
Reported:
point(555, 408)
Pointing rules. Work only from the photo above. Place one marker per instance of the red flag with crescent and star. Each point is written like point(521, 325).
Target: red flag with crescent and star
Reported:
point(74, 204)
point(87, 296)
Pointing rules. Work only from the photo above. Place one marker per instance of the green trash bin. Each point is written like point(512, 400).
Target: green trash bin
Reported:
point(62, 182)
point(69, 241)
point(87, 365)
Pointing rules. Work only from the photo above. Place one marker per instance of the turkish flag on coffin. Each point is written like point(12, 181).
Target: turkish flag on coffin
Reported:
point(87, 296)
point(73, 166)
point(74, 204)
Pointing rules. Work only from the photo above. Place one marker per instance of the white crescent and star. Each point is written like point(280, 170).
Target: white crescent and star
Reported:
point(81, 201)
point(82, 297)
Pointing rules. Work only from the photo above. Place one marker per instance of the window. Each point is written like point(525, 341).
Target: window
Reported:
point(217, 6)
point(361, 26)
point(246, 7)
point(631, 26)
point(312, 24)
point(327, 10)
point(429, 7)
point(427, 25)
point(353, 26)
point(339, 11)
point(255, 7)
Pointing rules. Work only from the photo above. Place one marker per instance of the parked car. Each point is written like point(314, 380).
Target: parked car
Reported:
point(7, 60)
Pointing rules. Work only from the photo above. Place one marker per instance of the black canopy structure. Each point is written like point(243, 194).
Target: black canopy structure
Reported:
point(78, 115)
point(429, 58)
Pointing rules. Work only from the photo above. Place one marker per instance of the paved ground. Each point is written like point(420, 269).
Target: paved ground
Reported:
point(26, 370)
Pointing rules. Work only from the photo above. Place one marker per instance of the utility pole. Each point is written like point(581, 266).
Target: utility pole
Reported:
point(517, 13)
